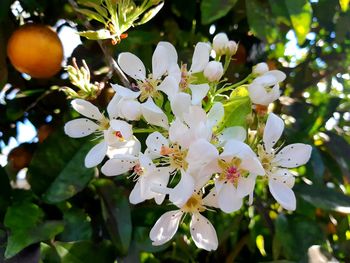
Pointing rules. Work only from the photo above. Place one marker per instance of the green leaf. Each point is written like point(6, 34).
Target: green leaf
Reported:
point(212, 10)
point(54, 159)
point(116, 213)
point(260, 20)
point(77, 225)
point(96, 35)
point(324, 197)
point(91, 15)
point(344, 4)
point(150, 14)
point(280, 12)
point(72, 178)
point(236, 111)
point(26, 227)
point(300, 13)
point(85, 252)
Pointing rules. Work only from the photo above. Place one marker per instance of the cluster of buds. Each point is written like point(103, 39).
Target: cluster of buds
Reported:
point(193, 157)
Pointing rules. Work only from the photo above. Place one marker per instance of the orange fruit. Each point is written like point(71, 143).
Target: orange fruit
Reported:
point(35, 50)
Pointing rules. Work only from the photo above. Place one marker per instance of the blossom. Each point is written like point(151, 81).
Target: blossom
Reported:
point(260, 68)
point(114, 132)
point(265, 88)
point(189, 199)
point(223, 46)
point(213, 71)
point(275, 162)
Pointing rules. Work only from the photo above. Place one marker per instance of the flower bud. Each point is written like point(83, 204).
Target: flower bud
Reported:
point(213, 71)
point(260, 68)
point(231, 48)
point(220, 42)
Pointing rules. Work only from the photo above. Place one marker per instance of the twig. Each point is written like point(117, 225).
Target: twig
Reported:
point(110, 60)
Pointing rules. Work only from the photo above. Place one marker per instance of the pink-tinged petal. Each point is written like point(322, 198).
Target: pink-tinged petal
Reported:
point(165, 227)
point(228, 199)
point(293, 155)
point(80, 128)
point(171, 51)
point(200, 57)
point(216, 114)
point(124, 128)
point(170, 87)
point(155, 141)
point(96, 155)
point(203, 233)
point(183, 190)
point(273, 131)
point(130, 110)
point(87, 109)
point(236, 133)
point(125, 92)
point(283, 194)
point(200, 153)
point(211, 199)
point(135, 196)
point(160, 62)
point(132, 65)
point(153, 114)
point(246, 186)
point(119, 165)
point(180, 104)
point(198, 92)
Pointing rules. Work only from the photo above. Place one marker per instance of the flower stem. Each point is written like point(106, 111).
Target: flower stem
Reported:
point(240, 83)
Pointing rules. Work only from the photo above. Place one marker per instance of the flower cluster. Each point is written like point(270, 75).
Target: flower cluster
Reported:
point(192, 156)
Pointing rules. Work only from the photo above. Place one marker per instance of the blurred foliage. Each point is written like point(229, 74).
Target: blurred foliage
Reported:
point(71, 215)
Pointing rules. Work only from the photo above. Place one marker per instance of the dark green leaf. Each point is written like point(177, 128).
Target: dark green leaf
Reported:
point(214, 9)
point(77, 225)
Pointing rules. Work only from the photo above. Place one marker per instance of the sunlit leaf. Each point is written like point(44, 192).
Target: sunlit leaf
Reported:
point(214, 9)
point(344, 4)
point(96, 35)
point(150, 14)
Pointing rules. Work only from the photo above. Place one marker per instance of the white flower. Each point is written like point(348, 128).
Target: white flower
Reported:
point(231, 48)
point(149, 86)
point(190, 200)
point(213, 71)
point(265, 88)
point(260, 68)
point(237, 167)
point(275, 162)
point(115, 132)
point(220, 43)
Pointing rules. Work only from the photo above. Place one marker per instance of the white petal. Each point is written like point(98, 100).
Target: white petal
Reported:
point(195, 116)
point(205, 174)
point(165, 227)
point(153, 114)
point(180, 104)
point(293, 155)
point(159, 61)
point(113, 107)
point(215, 114)
point(123, 127)
point(211, 199)
point(132, 65)
point(157, 182)
point(175, 72)
point(130, 110)
point(130, 147)
point(119, 165)
point(87, 109)
point(200, 57)
point(146, 163)
point(80, 128)
point(229, 201)
point(96, 155)
point(279, 75)
point(198, 93)
point(283, 194)
point(183, 190)
point(125, 92)
point(135, 196)
point(200, 153)
point(236, 133)
point(171, 51)
point(246, 185)
point(155, 141)
point(273, 131)
point(203, 233)
point(179, 133)
point(169, 86)
point(284, 176)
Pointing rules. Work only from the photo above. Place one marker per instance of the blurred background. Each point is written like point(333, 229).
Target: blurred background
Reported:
point(53, 209)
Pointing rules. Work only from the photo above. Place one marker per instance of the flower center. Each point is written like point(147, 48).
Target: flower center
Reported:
point(177, 157)
point(186, 78)
point(148, 87)
point(119, 136)
point(265, 159)
point(231, 171)
point(194, 204)
point(138, 170)
point(103, 124)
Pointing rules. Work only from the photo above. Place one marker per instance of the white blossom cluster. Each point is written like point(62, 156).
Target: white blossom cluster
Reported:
point(191, 158)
